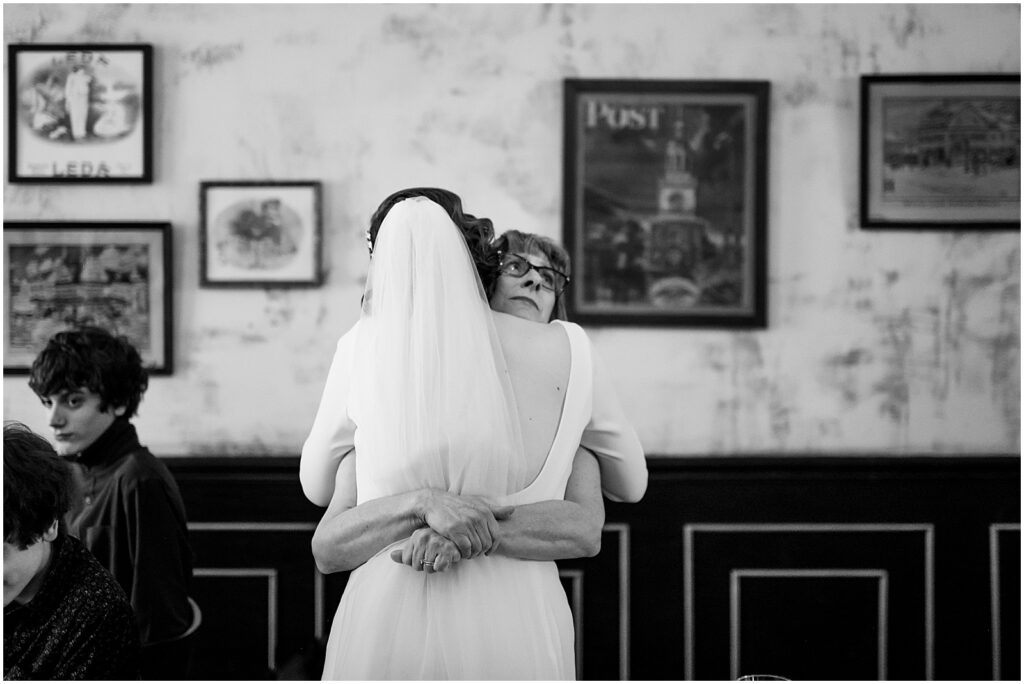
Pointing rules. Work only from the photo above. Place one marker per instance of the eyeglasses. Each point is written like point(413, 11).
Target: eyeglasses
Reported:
point(517, 267)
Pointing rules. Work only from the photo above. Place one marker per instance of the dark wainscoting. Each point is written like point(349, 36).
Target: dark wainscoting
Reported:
point(806, 567)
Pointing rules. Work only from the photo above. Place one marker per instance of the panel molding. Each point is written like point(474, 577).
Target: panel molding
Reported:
point(691, 529)
point(271, 576)
point(622, 529)
point(736, 575)
point(993, 573)
point(575, 578)
point(251, 527)
point(805, 488)
point(622, 549)
point(318, 603)
point(318, 578)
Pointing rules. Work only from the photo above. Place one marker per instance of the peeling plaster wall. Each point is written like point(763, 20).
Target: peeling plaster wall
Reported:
point(879, 342)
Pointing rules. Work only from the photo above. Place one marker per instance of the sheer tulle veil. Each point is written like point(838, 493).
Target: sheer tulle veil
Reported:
point(432, 395)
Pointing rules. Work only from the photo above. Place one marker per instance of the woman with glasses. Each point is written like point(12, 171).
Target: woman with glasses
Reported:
point(468, 483)
point(533, 273)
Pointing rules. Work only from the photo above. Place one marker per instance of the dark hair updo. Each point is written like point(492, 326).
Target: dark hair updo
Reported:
point(478, 232)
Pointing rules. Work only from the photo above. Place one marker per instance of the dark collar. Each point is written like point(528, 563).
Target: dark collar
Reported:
point(117, 440)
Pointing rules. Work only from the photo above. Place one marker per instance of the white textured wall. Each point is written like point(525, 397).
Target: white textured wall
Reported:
point(879, 342)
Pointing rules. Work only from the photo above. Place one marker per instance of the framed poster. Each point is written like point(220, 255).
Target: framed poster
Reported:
point(115, 275)
point(80, 113)
point(940, 151)
point(259, 233)
point(665, 202)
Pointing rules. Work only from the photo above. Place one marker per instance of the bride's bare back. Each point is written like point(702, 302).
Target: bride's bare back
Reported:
point(538, 360)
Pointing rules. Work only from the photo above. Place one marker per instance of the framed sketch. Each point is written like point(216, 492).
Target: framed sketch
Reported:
point(665, 202)
point(115, 275)
point(80, 113)
point(940, 151)
point(259, 233)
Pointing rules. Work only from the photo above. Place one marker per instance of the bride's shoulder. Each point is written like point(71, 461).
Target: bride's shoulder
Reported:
point(567, 329)
point(515, 323)
point(521, 331)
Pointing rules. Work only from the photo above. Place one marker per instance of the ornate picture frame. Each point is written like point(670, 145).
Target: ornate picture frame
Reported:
point(115, 275)
point(940, 151)
point(665, 202)
point(80, 113)
point(260, 233)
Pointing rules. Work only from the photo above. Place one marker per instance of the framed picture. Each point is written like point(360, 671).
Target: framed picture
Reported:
point(115, 275)
point(259, 233)
point(940, 151)
point(665, 202)
point(80, 113)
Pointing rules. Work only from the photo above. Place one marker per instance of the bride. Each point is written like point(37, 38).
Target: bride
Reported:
point(468, 484)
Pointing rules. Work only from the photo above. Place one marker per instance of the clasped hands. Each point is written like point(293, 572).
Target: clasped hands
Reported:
point(456, 528)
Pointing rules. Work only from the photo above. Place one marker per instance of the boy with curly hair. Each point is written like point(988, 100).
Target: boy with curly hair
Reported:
point(130, 513)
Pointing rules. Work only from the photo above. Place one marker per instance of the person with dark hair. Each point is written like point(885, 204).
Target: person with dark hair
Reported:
point(477, 232)
point(468, 482)
point(130, 515)
point(64, 615)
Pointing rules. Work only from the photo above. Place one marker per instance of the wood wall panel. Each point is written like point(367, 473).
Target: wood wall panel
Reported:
point(728, 565)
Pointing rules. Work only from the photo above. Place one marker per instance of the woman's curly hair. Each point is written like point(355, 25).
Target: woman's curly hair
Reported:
point(478, 232)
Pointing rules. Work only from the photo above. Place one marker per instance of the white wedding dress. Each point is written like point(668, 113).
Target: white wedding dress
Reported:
point(490, 617)
point(422, 393)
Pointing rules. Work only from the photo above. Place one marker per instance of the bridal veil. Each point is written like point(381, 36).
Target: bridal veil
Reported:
point(432, 395)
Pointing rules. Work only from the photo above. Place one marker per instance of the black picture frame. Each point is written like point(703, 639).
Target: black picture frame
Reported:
point(80, 113)
point(665, 202)
point(940, 151)
point(114, 274)
point(260, 233)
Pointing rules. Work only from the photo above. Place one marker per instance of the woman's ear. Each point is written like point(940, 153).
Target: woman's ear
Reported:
point(51, 532)
point(120, 410)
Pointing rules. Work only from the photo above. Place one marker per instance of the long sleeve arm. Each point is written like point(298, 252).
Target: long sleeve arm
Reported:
point(333, 432)
point(611, 438)
point(161, 562)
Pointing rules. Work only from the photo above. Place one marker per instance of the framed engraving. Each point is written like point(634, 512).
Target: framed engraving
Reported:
point(80, 113)
point(940, 151)
point(115, 275)
point(260, 234)
point(665, 202)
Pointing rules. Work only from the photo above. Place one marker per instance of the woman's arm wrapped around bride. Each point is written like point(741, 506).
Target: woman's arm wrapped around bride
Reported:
point(553, 530)
point(348, 534)
point(546, 530)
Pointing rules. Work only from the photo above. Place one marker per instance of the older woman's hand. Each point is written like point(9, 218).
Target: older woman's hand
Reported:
point(428, 551)
point(470, 522)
